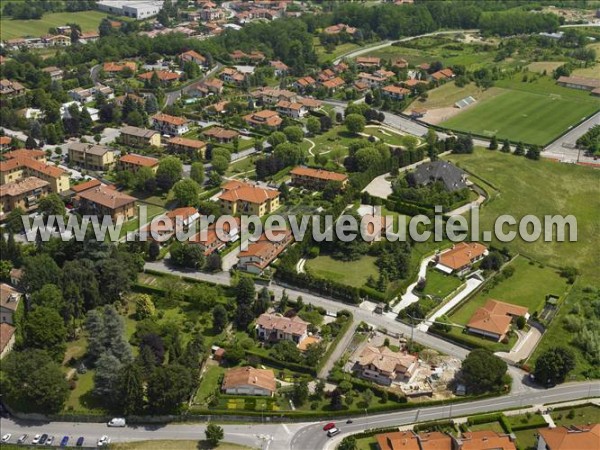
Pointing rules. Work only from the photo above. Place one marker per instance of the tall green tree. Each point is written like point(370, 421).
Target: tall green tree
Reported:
point(214, 434)
point(165, 396)
point(53, 205)
point(44, 329)
point(197, 172)
point(132, 389)
point(553, 366)
point(186, 192)
point(170, 170)
point(482, 371)
point(355, 123)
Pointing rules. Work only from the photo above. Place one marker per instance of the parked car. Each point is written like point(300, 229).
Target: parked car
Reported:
point(36, 439)
point(117, 422)
point(6, 438)
point(50, 440)
point(22, 439)
point(333, 432)
point(64, 441)
point(329, 426)
point(80, 441)
point(43, 439)
point(104, 440)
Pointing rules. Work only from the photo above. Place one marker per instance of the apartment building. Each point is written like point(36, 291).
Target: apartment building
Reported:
point(239, 197)
point(132, 162)
point(24, 194)
point(171, 125)
point(91, 156)
point(139, 137)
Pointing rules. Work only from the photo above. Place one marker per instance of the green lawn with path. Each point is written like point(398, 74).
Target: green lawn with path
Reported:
point(535, 113)
point(209, 383)
point(439, 284)
point(351, 273)
point(88, 20)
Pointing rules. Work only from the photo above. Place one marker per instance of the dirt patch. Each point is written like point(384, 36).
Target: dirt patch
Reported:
point(439, 115)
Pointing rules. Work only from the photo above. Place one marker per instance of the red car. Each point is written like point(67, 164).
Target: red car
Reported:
point(329, 426)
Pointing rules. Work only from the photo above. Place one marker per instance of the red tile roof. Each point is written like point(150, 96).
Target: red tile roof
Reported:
point(318, 174)
point(139, 160)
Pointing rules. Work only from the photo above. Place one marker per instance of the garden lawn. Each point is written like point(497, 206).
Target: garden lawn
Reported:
point(352, 273)
point(244, 168)
point(533, 116)
point(541, 188)
point(209, 383)
point(88, 20)
point(439, 284)
point(583, 416)
point(527, 287)
point(336, 139)
point(151, 212)
point(80, 398)
point(390, 137)
point(368, 443)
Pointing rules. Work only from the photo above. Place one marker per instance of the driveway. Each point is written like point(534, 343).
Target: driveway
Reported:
point(379, 186)
point(409, 298)
point(564, 149)
point(230, 259)
point(523, 348)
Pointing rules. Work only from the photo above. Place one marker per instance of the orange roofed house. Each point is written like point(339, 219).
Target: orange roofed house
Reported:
point(264, 118)
point(485, 440)
point(239, 197)
point(107, 202)
point(210, 241)
point(275, 328)
point(461, 257)
point(408, 440)
point(187, 146)
point(173, 221)
point(249, 381)
point(132, 162)
point(260, 254)
point(23, 163)
point(384, 366)
point(164, 76)
point(584, 437)
point(193, 56)
point(171, 125)
point(316, 178)
point(493, 320)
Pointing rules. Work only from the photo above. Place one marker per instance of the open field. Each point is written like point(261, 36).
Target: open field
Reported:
point(352, 273)
point(88, 20)
point(448, 94)
point(589, 72)
point(541, 66)
point(535, 113)
point(541, 188)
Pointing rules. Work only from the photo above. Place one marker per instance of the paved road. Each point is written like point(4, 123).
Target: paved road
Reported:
point(558, 150)
point(313, 436)
point(338, 352)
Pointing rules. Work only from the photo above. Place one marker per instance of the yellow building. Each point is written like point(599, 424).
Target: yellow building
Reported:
point(24, 194)
point(132, 162)
point(245, 198)
point(21, 166)
point(139, 137)
point(105, 201)
point(91, 157)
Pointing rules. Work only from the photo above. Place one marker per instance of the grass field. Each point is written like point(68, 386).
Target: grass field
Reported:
point(88, 20)
point(448, 94)
point(542, 188)
point(583, 416)
point(541, 66)
point(353, 273)
point(535, 113)
point(439, 284)
point(208, 384)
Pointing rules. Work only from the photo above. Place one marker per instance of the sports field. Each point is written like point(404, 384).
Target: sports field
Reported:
point(519, 115)
point(88, 20)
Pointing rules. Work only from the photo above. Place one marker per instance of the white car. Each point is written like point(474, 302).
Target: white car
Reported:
point(104, 440)
point(50, 440)
point(36, 439)
point(6, 438)
point(117, 422)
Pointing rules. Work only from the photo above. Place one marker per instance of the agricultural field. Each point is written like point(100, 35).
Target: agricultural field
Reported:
point(533, 112)
point(88, 20)
point(541, 188)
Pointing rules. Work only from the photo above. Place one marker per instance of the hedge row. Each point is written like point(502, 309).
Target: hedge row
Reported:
point(433, 425)
point(397, 205)
point(322, 286)
point(487, 418)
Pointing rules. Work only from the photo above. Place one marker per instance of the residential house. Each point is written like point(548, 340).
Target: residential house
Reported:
point(212, 14)
point(384, 366)
point(268, 95)
point(9, 302)
point(11, 89)
point(193, 56)
point(249, 381)
point(326, 74)
point(409, 440)
point(367, 62)
point(65, 112)
point(106, 91)
point(275, 327)
point(264, 118)
point(90, 184)
point(24, 194)
point(217, 108)
point(215, 238)
point(360, 86)
point(55, 73)
point(340, 28)
point(460, 258)
point(334, 84)
point(37, 155)
point(257, 257)
point(239, 197)
point(139, 137)
point(394, 92)
point(485, 440)
point(574, 437)
point(221, 135)
point(132, 162)
point(57, 41)
point(187, 146)
point(91, 156)
point(290, 109)
point(179, 219)
point(309, 103)
point(582, 83)
point(120, 100)
point(104, 201)
point(372, 80)
point(231, 75)
point(401, 63)
point(165, 77)
point(15, 168)
point(112, 68)
point(340, 67)
point(207, 87)
point(171, 125)
point(5, 142)
point(493, 320)
point(440, 75)
point(7, 338)
point(316, 179)
point(412, 83)
point(281, 69)
point(88, 36)
point(304, 83)
point(453, 178)
point(82, 95)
